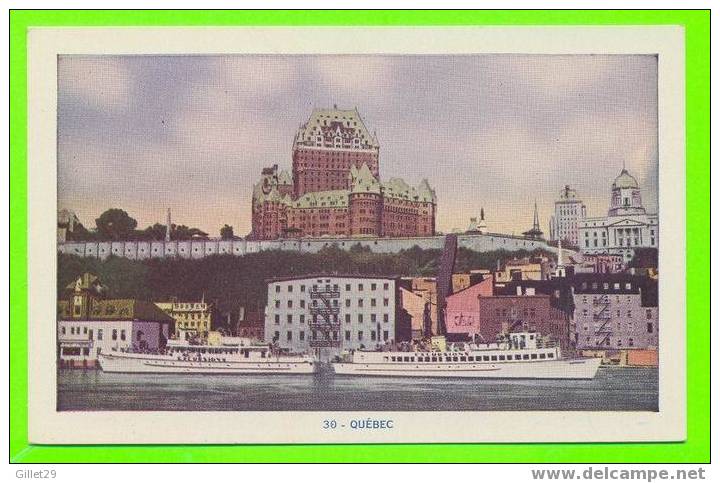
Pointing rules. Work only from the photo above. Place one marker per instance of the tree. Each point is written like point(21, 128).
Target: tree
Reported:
point(226, 232)
point(154, 232)
point(115, 224)
point(183, 232)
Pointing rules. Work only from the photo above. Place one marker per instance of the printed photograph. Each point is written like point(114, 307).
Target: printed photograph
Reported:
point(357, 233)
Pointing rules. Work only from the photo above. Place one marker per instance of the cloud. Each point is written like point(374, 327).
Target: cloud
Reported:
point(104, 83)
point(492, 131)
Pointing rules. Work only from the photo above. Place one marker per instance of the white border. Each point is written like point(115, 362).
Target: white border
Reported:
point(46, 425)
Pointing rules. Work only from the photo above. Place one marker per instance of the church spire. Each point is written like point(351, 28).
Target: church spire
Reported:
point(535, 233)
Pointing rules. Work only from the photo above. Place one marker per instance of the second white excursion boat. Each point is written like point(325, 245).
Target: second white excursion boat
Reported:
point(185, 358)
point(521, 355)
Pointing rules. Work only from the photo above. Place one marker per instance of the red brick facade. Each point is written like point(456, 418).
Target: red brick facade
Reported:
point(327, 169)
point(475, 311)
point(335, 188)
point(529, 312)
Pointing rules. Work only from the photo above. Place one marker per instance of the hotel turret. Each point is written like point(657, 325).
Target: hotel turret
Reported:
point(335, 190)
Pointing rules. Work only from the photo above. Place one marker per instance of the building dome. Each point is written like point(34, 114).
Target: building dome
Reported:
point(625, 180)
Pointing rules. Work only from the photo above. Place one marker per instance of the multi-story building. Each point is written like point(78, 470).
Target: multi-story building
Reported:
point(626, 227)
point(462, 309)
point(334, 189)
point(327, 146)
point(191, 318)
point(418, 298)
point(615, 311)
point(334, 312)
point(569, 212)
point(528, 268)
point(476, 313)
point(88, 323)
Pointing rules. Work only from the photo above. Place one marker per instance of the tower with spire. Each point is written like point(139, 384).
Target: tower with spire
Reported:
point(535, 233)
point(168, 226)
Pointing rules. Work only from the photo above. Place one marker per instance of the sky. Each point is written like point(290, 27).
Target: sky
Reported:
point(192, 133)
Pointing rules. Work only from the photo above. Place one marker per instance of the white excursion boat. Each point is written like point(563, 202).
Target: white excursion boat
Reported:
point(521, 355)
point(186, 358)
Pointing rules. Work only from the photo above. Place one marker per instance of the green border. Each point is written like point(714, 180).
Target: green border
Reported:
point(697, 447)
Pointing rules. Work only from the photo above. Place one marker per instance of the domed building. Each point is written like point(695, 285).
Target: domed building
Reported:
point(625, 198)
point(627, 225)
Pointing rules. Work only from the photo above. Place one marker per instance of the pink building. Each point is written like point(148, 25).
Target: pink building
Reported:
point(462, 314)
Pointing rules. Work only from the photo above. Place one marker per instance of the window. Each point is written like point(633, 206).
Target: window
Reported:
point(373, 318)
point(289, 319)
point(517, 357)
point(277, 288)
point(289, 304)
point(550, 355)
point(277, 304)
point(360, 318)
point(62, 330)
point(386, 286)
point(302, 288)
point(122, 334)
point(100, 334)
point(347, 287)
point(302, 304)
point(386, 318)
point(347, 337)
point(648, 314)
point(360, 335)
point(290, 288)
point(114, 334)
point(360, 287)
point(542, 355)
point(385, 335)
point(289, 335)
point(372, 335)
point(650, 328)
point(373, 303)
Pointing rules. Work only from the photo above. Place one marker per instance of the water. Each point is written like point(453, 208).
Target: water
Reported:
point(613, 389)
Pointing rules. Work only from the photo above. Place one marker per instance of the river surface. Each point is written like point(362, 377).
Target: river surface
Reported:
point(613, 389)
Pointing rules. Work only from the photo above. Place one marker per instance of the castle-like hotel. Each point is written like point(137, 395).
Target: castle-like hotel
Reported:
point(335, 188)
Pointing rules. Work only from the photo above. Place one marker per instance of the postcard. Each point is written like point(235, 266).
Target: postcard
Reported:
point(356, 235)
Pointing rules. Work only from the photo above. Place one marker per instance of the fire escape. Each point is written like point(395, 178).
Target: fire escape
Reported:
point(325, 322)
point(601, 314)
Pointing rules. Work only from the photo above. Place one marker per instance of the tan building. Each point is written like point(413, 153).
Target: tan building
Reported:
point(531, 268)
point(89, 323)
point(191, 318)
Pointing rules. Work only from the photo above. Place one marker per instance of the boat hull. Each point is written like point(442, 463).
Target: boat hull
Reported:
point(128, 363)
point(556, 369)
